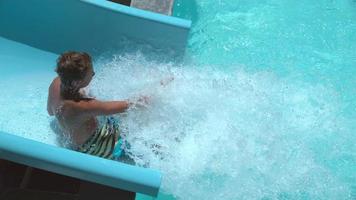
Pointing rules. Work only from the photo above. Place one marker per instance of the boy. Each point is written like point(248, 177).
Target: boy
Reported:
point(77, 113)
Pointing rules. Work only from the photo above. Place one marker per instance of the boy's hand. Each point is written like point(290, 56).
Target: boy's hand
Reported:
point(141, 101)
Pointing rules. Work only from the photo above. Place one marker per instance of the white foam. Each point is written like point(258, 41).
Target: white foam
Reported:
point(226, 135)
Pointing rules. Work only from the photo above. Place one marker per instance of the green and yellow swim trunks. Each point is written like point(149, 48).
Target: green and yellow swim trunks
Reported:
point(105, 142)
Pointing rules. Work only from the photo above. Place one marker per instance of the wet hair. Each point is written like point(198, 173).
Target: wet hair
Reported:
point(72, 66)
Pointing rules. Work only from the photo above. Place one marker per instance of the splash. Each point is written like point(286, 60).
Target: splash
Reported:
point(229, 135)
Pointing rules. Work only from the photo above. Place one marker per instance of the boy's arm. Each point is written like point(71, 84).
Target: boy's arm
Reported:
point(95, 107)
point(49, 109)
point(53, 95)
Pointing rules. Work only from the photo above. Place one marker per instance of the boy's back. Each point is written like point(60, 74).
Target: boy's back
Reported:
point(76, 113)
point(79, 127)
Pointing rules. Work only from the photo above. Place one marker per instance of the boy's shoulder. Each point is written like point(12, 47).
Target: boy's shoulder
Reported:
point(55, 85)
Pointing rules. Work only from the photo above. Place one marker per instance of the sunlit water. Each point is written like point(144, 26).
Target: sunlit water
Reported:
point(263, 107)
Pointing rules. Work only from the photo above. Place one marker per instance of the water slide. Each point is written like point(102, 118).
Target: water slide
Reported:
point(32, 35)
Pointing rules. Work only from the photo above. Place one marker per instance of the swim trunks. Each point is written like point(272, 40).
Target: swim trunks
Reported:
point(105, 142)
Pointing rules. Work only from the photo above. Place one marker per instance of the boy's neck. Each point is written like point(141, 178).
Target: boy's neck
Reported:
point(70, 93)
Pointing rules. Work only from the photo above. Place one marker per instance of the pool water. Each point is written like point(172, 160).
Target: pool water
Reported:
point(263, 106)
point(269, 103)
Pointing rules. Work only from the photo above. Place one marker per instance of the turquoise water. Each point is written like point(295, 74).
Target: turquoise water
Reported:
point(263, 106)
